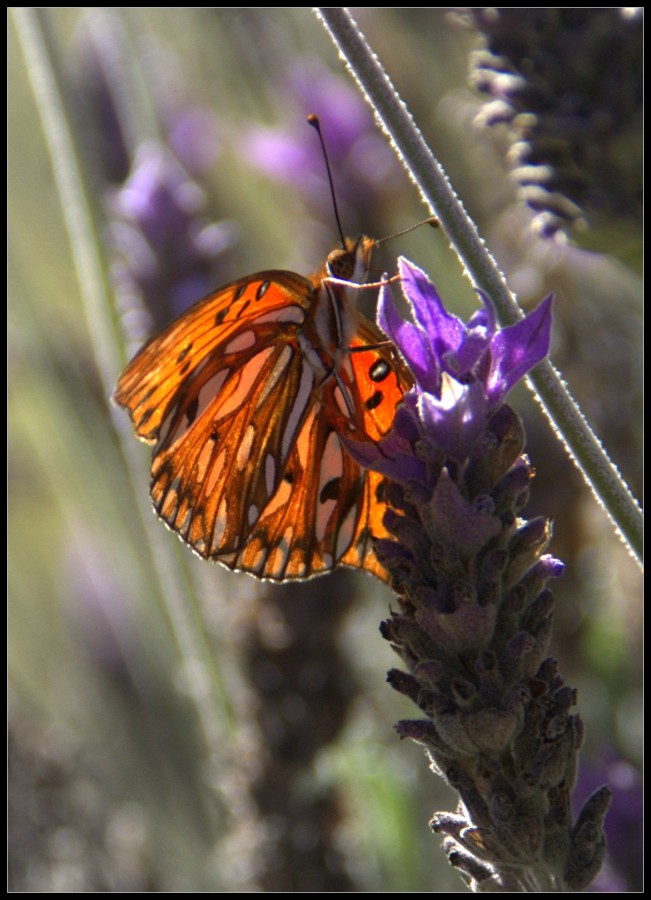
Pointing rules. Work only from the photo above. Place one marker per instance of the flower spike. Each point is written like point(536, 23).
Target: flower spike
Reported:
point(475, 612)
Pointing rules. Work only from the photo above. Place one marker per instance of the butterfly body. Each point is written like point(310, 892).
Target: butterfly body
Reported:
point(246, 398)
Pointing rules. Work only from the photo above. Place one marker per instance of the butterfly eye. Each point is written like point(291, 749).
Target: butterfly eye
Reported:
point(341, 264)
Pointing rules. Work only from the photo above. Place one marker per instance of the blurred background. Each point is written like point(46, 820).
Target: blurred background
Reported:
point(177, 727)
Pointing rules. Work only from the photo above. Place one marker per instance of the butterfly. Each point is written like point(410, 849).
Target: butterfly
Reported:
point(248, 398)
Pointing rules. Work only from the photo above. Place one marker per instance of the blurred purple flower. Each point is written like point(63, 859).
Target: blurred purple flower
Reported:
point(193, 135)
point(573, 135)
point(364, 167)
point(624, 825)
point(190, 131)
point(165, 247)
point(100, 42)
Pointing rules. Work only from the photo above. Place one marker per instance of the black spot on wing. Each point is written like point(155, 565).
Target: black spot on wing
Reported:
point(379, 370)
point(183, 353)
point(191, 410)
point(374, 400)
point(330, 490)
point(164, 472)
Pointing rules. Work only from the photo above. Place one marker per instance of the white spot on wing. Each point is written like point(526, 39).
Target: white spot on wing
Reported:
point(332, 464)
point(298, 409)
point(209, 391)
point(220, 525)
point(243, 341)
point(279, 367)
point(215, 473)
point(303, 446)
point(269, 473)
point(246, 377)
point(244, 449)
point(204, 459)
point(284, 315)
point(279, 499)
point(205, 396)
point(324, 511)
point(344, 400)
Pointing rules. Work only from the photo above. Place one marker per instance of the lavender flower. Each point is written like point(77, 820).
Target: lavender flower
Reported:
point(475, 612)
point(165, 246)
point(568, 85)
point(164, 249)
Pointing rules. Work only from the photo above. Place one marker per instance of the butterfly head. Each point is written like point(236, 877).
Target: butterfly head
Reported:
point(352, 262)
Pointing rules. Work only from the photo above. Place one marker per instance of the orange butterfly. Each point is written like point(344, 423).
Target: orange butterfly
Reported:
point(246, 397)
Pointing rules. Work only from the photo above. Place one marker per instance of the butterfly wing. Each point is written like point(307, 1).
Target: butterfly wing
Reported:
point(327, 509)
point(223, 392)
point(184, 363)
point(249, 467)
point(376, 379)
point(313, 518)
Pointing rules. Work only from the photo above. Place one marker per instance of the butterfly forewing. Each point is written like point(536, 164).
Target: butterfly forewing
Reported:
point(247, 401)
point(236, 320)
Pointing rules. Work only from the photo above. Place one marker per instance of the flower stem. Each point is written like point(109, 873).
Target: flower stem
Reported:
point(425, 171)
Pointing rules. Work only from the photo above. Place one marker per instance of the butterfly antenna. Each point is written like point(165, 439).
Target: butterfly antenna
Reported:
point(432, 221)
point(314, 122)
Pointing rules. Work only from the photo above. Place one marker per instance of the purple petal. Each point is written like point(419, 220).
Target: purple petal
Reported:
point(457, 419)
point(158, 196)
point(464, 360)
point(446, 331)
point(516, 349)
point(549, 567)
point(405, 423)
point(411, 341)
point(398, 466)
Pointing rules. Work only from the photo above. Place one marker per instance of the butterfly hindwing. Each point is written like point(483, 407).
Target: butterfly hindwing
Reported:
point(313, 518)
point(214, 475)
